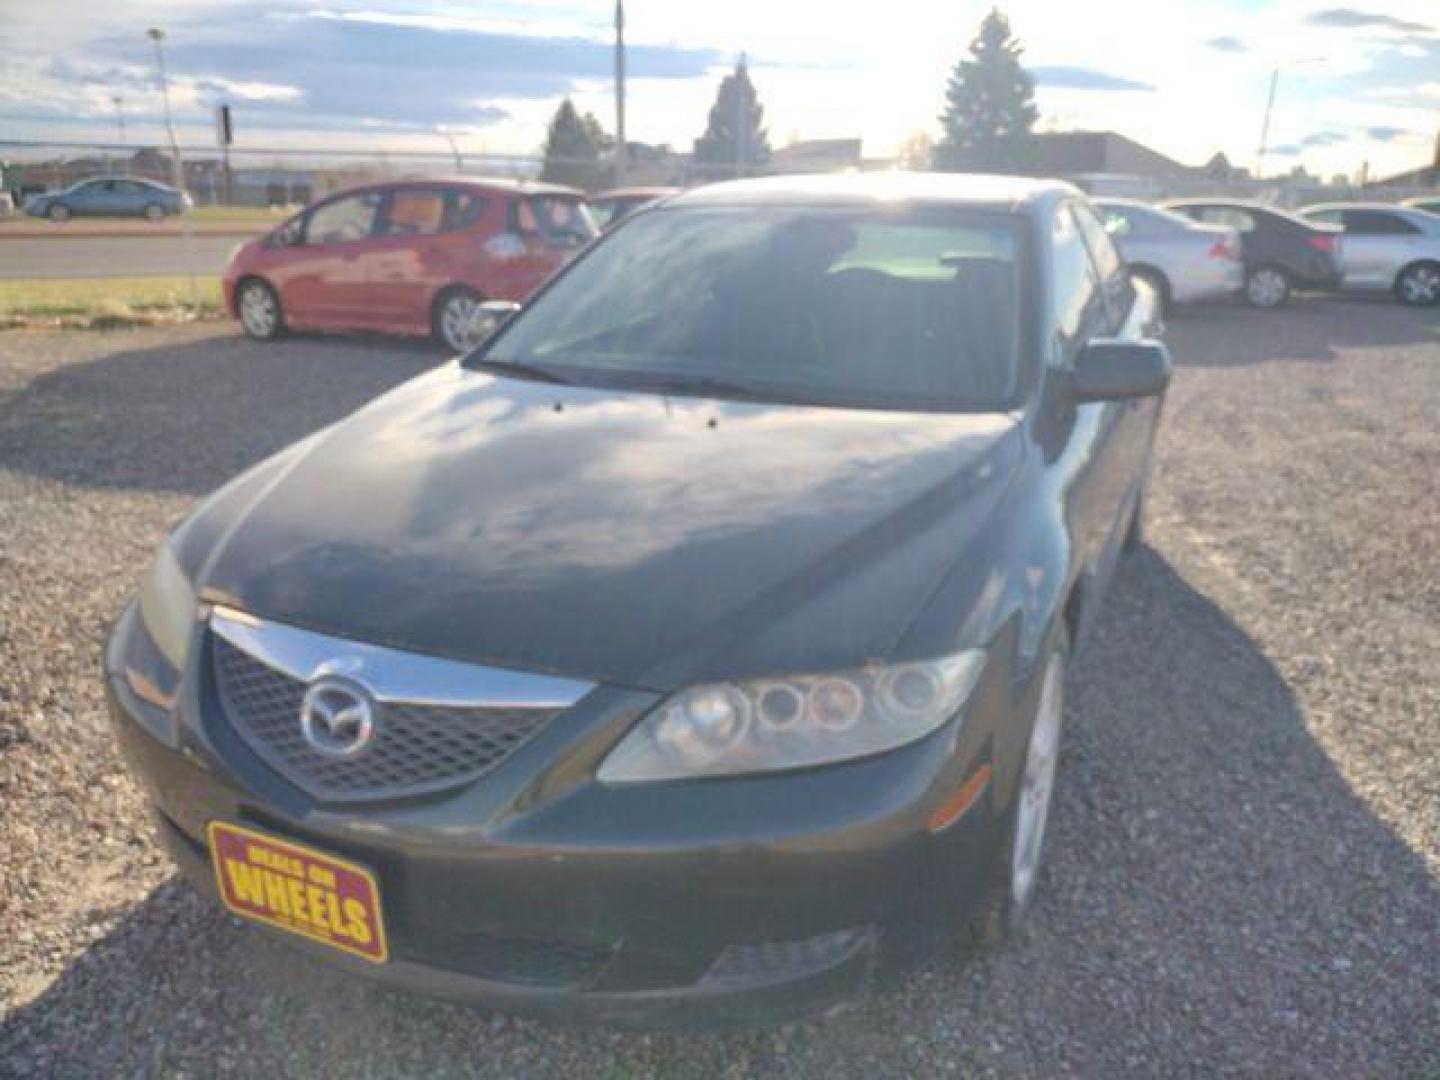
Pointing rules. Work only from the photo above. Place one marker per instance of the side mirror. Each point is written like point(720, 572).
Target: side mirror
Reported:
point(1111, 370)
point(490, 316)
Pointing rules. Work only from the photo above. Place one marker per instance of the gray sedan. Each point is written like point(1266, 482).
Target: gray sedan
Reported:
point(1184, 260)
point(109, 196)
point(1394, 248)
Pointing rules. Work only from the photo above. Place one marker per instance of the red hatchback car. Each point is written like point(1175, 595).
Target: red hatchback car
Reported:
point(407, 257)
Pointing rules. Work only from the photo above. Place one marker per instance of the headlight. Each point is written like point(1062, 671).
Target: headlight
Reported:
point(167, 606)
point(729, 728)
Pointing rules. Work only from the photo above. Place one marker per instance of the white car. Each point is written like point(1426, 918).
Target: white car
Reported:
point(1184, 260)
point(1387, 248)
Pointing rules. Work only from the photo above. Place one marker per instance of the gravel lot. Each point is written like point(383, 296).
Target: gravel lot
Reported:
point(1245, 864)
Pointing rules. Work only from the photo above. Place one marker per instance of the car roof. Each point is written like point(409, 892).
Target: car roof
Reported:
point(507, 184)
point(1012, 193)
point(1389, 208)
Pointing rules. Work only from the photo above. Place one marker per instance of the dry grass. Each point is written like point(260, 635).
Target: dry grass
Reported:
point(107, 301)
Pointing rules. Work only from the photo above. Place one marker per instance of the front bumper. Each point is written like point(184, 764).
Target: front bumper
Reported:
point(538, 890)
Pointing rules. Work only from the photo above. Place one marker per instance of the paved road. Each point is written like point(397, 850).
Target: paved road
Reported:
point(111, 256)
point(1243, 871)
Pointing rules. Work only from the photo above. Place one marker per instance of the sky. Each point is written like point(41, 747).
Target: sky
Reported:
point(1186, 77)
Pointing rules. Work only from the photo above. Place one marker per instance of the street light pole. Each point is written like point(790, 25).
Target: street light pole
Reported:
point(157, 35)
point(1270, 107)
point(1265, 125)
point(119, 103)
point(444, 132)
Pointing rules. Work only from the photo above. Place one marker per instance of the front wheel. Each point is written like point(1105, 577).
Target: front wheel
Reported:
point(1418, 285)
point(1267, 287)
point(154, 211)
point(260, 314)
point(453, 320)
point(1021, 854)
point(58, 212)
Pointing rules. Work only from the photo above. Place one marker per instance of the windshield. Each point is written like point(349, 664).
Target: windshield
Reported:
point(906, 308)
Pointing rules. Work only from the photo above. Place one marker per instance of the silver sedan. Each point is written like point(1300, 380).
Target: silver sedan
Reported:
point(1387, 248)
point(1184, 260)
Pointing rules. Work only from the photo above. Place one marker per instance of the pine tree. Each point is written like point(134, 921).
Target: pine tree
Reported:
point(734, 135)
point(573, 147)
point(989, 106)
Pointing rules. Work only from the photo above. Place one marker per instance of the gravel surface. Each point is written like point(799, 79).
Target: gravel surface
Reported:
point(1244, 873)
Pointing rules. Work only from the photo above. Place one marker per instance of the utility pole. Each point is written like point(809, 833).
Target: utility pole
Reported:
point(620, 148)
point(157, 35)
point(119, 103)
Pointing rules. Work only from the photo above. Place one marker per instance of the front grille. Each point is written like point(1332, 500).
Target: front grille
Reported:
point(417, 748)
point(521, 961)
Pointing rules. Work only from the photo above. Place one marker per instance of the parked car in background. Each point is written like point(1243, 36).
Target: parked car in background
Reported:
point(1281, 252)
point(610, 206)
point(1388, 248)
point(407, 257)
point(696, 648)
point(110, 196)
point(1184, 260)
point(1429, 203)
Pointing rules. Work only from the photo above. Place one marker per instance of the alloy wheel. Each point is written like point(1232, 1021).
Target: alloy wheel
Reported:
point(457, 322)
point(1266, 288)
point(259, 313)
point(1037, 785)
point(154, 212)
point(1420, 285)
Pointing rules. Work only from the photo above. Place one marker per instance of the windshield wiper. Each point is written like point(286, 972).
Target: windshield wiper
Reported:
point(716, 385)
point(518, 369)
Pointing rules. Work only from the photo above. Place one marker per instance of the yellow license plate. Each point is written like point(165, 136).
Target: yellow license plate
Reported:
point(296, 888)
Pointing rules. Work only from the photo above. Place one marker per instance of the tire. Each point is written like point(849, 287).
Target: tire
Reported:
point(1418, 285)
point(258, 306)
point(154, 211)
point(1157, 281)
point(1018, 867)
point(1267, 287)
point(57, 212)
point(450, 319)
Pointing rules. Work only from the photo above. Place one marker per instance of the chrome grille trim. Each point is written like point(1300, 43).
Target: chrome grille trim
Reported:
point(468, 723)
point(391, 674)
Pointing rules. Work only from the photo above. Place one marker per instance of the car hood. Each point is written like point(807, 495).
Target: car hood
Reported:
point(629, 538)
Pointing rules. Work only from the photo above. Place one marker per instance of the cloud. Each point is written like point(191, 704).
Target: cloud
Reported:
point(1350, 19)
point(319, 70)
point(1079, 78)
point(1385, 133)
point(1227, 43)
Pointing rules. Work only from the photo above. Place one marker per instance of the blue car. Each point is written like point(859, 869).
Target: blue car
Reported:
point(109, 196)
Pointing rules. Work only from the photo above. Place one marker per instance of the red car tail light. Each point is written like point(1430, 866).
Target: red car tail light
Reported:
point(1322, 242)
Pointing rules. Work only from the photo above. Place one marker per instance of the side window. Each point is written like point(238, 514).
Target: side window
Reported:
point(414, 212)
point(462, 209)
point(1116, 223)
point(1077, 288)
point(344, 220)
point(1238, 220)
point(1376, 223)
point(1327, 217)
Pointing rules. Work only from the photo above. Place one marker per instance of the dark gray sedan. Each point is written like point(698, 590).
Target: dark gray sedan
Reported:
point(109, 196)
point(696, 647)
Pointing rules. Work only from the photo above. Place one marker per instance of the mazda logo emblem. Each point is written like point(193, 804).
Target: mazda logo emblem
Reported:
point(337, 717)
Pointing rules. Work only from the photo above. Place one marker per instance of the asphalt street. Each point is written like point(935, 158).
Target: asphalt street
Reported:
point(112, 256)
